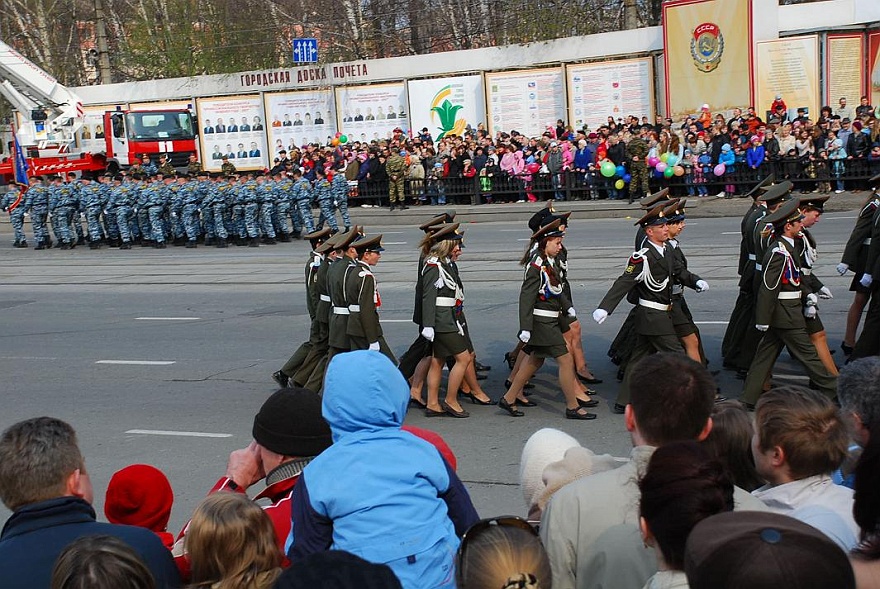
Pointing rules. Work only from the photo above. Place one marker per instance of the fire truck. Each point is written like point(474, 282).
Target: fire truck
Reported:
point(48, 117)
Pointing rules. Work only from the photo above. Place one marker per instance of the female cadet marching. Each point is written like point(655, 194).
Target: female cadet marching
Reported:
point(543, 306)
point(362, 296)
point(443, 322)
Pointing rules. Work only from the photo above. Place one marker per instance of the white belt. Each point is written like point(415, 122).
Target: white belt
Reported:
point(340, 310)
point(753, 257)
point(759, 267)
point(325, 298)
point(445, 302)
point(806, 271)
point(653, 305)
point(354, 308)
point(867, 241)
point(545, 313)
point(789, 295)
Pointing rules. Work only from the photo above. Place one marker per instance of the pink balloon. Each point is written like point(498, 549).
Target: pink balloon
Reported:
point(661, 166)
point(719, 170)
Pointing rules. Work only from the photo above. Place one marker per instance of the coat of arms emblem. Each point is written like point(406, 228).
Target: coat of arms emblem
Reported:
point(707, 45)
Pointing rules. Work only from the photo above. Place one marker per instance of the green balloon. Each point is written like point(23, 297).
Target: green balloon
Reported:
point(668, 172)
point(343, 139)
point(608, 169)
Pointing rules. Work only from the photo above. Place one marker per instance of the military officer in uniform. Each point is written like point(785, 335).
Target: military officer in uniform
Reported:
point(194, 166)
point(782, 308)
point(648, 278)
point(165, 166)
point(364, 330)
point(227, 167)
point(855, 259)
point(336, 278)
point(13, 203)
point(282, 377)
point(396, 169)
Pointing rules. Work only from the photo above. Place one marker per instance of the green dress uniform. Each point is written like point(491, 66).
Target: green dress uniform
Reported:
point(780, 311)
point(364, 301)
point(311, 272)
point(543, 307)
point(337, 276)
point(442, 297)
point(855, 253)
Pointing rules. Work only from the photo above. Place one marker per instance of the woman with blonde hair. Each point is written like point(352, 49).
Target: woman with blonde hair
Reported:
point(502, 553)
point(231, 544)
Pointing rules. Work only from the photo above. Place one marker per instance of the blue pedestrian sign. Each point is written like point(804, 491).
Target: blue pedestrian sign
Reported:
point(305, 51)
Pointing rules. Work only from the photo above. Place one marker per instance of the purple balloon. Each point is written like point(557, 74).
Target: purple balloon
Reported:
point(653, 161)
point(719, 170)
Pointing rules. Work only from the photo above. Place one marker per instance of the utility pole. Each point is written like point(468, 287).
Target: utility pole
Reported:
point(103, 48)
point(630, 14)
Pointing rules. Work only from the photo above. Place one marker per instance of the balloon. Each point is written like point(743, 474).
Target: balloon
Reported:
point(652, 161)
point(338, 134)
point(627, 178)
point(608, 169)
point(672, 160)
point(620, 171)
point(664, 157)
point(679, 171)
point(533, 168)
point(658, 173)
point(334, 142)
point(668, 172)
point(619, 184)
point(719, 170)
point(661, 167)
point(343, 139)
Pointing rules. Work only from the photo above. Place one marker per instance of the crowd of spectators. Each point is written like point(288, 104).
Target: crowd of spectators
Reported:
point(836, 150)
point(357, 500)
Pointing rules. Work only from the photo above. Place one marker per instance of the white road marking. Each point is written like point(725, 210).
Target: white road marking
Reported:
point(167, 318)
point(395, 320)
point(160, 432)
point(138, 362)
point(710, 322)
point(394, 243)
point(827, 217)
point(26, 358)
point(727, 232)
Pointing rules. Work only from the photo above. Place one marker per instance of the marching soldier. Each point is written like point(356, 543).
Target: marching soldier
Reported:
point(302, 200)
point(121, 199)
point(283, 376)
point(340, 194)
point(336, 279)
point(37, 204)
point(364, 330)
point(264, 193)
point(91, 198)
point(855, 259)
point(189, 195)
point(649, 276)
point(323, 193)
point(13, 203)
point(782, 308)
point(739, 317)
point(637, 150)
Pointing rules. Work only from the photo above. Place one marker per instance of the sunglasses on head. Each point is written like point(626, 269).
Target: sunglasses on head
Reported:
point(510, 521)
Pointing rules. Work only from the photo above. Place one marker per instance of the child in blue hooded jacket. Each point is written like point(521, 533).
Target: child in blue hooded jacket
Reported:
point(379, 492)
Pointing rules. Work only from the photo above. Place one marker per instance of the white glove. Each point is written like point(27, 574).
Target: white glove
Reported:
point(866, 280)
point(842, 268)
point(428, 333)
point(572, 312)
point(374, 346)
point(812, 300)
point(525, 336)
point(810, 312)
point(600, 315)
point(762, 327)
point(825, 293)
point(702, 286)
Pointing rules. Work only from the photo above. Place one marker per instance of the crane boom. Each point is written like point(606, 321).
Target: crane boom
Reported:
point(49, 113)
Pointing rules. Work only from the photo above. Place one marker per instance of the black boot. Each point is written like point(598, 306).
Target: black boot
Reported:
point(253, 242)
point(284, 238)
point(296, 235)
point(179, 241)
point(221, 242)
point(159, 245)
point(209, 241)
point(125, 246)
point(39, 245)
point(48, 244)
point(191, 243)
point(65, 245)
point(81, 241)
point(93, 245)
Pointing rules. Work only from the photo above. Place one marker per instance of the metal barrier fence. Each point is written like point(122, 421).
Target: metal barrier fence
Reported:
point(806, 175)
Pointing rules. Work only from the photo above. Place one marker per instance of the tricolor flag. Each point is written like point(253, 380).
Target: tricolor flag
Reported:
point(20, 167)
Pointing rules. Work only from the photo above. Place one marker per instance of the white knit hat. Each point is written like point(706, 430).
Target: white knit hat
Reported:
point(542, 448)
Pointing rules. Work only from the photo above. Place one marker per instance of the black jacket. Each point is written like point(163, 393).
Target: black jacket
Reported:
point(35, 535)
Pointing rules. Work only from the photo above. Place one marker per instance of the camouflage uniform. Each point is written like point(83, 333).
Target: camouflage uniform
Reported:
point(92, 201)
point(61, 203)
point(16, 214)
point(302, 199)
point(154, 204)
point(638, 184)
point(228, 168)
point(396, 169)
point(143, 215)
point(283, 210)
point(37, 204)
point(340, 196)
point(189, 195)
point(120, 200)
point(265, 193)
point(166, 169)
point(323, 193)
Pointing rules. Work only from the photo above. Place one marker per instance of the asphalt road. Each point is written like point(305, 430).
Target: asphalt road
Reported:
point(210, 326)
